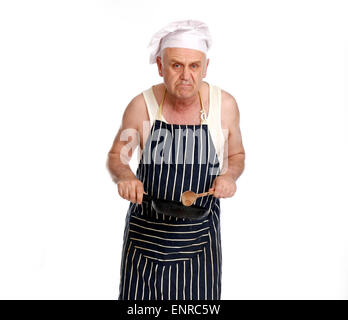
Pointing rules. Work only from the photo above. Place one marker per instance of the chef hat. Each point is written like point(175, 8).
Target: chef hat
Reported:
point(191, 34)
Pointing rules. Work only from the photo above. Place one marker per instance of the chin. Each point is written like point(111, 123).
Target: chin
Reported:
point(185, 93)
point(183, 88)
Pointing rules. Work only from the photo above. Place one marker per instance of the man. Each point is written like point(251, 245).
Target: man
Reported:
point(166, 257)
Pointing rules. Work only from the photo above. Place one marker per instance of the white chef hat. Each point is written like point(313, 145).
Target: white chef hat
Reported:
point(191, 34)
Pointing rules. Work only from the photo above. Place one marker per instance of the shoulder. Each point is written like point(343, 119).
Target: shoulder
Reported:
point(228, 101)
point(135, 112)
point(229, 109)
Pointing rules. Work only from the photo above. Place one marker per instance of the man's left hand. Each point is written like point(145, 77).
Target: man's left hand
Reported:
point(224, 187)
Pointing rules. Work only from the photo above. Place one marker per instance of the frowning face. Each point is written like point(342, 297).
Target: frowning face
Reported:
point(182, 70)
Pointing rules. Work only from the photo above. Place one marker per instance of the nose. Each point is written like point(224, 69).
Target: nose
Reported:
point(185, 75)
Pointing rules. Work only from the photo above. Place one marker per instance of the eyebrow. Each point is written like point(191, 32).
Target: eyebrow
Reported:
point(174, 60)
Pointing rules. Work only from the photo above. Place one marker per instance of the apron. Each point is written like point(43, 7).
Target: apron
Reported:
point(171, 258)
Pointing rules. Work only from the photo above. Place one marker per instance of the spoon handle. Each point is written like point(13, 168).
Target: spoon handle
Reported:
point(204, 193)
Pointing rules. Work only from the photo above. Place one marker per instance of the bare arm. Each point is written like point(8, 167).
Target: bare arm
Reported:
point(124, 144)
point(235, 158)
point(224, 185)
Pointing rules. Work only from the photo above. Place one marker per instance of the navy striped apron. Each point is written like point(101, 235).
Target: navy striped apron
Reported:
point(171, 258)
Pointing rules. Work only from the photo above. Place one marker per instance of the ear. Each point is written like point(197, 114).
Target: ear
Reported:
point(205, 69)
point(159, 66)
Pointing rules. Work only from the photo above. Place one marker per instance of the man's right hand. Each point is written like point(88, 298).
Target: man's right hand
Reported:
point(131, 189)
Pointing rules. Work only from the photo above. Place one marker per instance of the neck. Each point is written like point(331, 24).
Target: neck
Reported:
point(179, 105)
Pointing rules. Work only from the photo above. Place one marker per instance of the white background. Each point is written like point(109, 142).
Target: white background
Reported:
point(69, 68)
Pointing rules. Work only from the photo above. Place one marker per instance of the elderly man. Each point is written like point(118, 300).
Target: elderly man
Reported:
point(189, 139)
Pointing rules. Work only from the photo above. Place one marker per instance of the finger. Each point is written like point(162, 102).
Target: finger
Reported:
point(233, 191)
point(230, 192)
point(126, 194)
point(222, 193)
point(140, 192)
point(132, 195)
point(217, 194)
point(226, 192)
point(120, 191)
point(218, 191)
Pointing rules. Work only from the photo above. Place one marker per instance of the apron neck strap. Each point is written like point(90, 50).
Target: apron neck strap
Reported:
point(202, 111)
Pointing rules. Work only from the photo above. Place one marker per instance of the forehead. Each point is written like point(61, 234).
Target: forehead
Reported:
point(183, 54)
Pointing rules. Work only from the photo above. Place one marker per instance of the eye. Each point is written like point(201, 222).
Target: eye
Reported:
point(176, 65)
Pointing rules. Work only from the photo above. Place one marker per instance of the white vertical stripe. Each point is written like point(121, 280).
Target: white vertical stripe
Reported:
point(142, 298)
point(130, 279)
point(205, 274)
point(217, 254)
point(184, 287)
point(184, 162)
point(216, 205)
point(136, 287)
point(169, 162)
point(122, 269)
point(191, 279)
point(198, 272)
point(210, 182)
point(220, 252)
point(169, 278)
point(163, 269)
point(142, 179)
point(176, 281)
point(146, 188)
point(155, 157)
point(200, 160)
point(141, 164)
point(176, 164)
point(162, 162)
point(193, 156)
point(125, 269)
point(208, 161)
point(155, 284)
point(149, 281)
point(148, 161)
point(212, 267)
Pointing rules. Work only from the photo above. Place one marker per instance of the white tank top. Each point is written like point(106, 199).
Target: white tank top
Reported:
point(218, 135)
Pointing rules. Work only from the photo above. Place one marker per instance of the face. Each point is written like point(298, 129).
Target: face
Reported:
point(182, 70)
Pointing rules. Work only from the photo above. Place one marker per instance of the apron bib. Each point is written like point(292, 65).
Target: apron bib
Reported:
point(164, 257)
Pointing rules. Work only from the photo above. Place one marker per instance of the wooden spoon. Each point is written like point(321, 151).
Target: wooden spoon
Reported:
point(189, 197)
